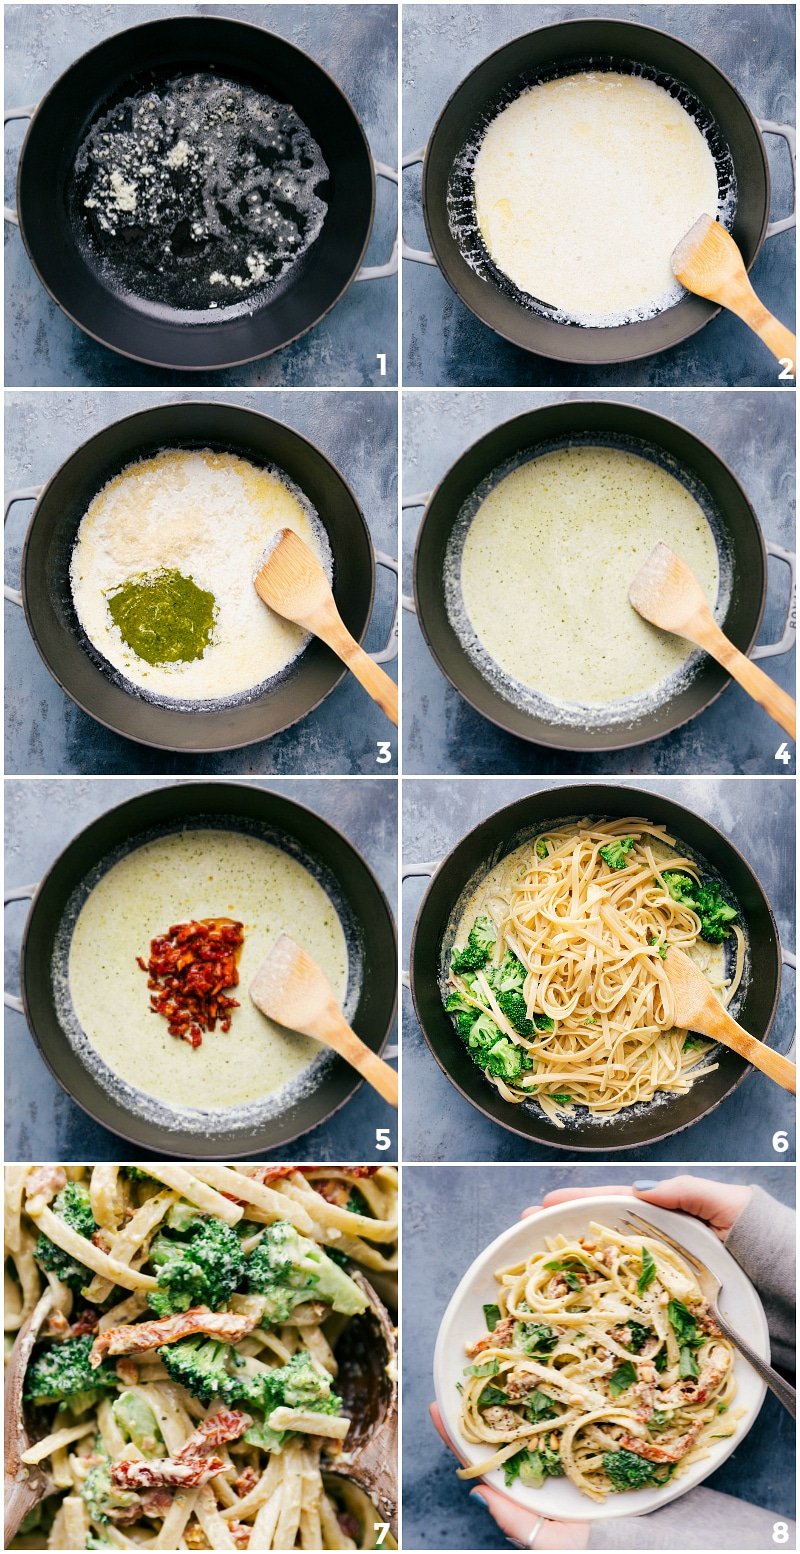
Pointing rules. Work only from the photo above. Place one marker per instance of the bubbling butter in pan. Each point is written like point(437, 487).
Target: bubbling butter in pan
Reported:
point(185, 531)
point(546, 565)
point(584, 185)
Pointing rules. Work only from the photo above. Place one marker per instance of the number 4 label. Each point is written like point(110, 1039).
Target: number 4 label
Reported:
point(783, 753)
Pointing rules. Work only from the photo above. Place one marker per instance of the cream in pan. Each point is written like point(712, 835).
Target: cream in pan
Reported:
point(197, 874)
point(539, 593)
point(583, 187)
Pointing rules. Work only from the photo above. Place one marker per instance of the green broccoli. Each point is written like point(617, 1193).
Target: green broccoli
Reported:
point(298, 1384)
point(138, 1423)
point(615, 854)
point(541, 847)
point(714, 912)
point(681, 887)
point(627, 1470)
point(508, 977)
point(533, 1467)
point(288, 1269)
point(478, 948)
point(61, 1373)
point(505, 1060)
point(534, 1337)
point(202, 1268)
point(463, 1013)
point(73, 1205)
point(201, 1365)
point(101, 1496)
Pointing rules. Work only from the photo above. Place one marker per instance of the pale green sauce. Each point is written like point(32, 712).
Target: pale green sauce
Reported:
point(198, 874)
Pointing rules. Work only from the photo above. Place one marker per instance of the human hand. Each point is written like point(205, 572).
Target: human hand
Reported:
point(517, 1523)
point(718, 1204)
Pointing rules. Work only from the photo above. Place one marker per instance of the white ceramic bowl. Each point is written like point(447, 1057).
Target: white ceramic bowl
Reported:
point(463, 1322)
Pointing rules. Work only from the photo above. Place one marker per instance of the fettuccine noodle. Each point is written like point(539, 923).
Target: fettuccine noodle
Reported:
point(602, 1363)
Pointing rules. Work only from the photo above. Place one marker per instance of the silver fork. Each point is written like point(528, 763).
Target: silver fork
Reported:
point(712, 1288)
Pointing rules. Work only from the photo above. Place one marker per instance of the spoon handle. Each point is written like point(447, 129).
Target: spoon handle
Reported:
point(376, 681)
point(777, 702)
point(333, 1029)
point(715, 1022)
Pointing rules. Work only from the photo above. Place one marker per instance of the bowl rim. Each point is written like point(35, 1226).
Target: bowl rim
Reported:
point(636, 1502)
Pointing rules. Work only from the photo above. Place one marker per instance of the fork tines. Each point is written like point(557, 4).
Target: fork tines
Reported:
point(633, 1222)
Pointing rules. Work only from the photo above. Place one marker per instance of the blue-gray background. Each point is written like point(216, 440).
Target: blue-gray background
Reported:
point(46, 733)
point(439, 1125)
point(450, 1215)
point(357, 45)
point(754, 45)
point(41, 1121)
point(754, 434)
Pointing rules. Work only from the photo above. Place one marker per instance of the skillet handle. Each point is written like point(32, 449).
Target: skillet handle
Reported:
point(10, 114)
point(389, 650)
point(23, 494)
point(377, 272)
point(420, 500)
point(412, 871)
point(416, 255)
point(773, 649)
point(17, 893)
point(787, 133)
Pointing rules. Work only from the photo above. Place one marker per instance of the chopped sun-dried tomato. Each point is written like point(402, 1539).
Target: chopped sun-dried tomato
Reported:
point(187, 971)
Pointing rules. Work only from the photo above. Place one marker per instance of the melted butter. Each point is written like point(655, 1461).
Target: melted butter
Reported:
point(583, 187)
point(198, 874)
point(547, 562)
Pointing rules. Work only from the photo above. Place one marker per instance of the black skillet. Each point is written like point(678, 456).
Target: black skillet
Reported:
point(359, 900)
point(481, 850)
point(77, 666)
point(712, 480)
point(157, 334)
point(558, 50)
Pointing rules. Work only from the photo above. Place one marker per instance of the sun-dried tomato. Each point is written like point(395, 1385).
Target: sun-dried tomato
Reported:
point(188, 969)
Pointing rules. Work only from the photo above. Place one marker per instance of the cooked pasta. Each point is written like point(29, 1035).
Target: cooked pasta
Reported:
point(601, 1362)
point(557, 983)
point(183, 1390)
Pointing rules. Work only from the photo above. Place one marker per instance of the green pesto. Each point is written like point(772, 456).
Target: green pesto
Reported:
point(163, 616)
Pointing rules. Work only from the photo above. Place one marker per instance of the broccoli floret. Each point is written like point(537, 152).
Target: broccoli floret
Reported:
point(680, 886)
point(714, 912)
point(464, 1014)
point(138, 1423)
point(202, 1268)
point(201, 1365)
point(506, 1061)
point(541, 847)
point(61, 1373)
point(100, 1495)
point(478, 948)
point(72, 1205)
point(534, 1337)
point(509, 976)
point(627, 1470)
point(533, 1467)
point(615, 854)
point(288, 1269)
point(298, 1384)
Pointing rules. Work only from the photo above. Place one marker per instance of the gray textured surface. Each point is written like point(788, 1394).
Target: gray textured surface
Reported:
point(439, 1125)
point(45, 732)
point(755, 435)
point(357, 45)
point(41, 1121)
point(449, 1216)
point(443, 343)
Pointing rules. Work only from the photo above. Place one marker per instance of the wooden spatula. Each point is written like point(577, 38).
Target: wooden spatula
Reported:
point(293, 584)
point(666, 592)
point(25, 1484)
point(293, 990)
point(697, 1008)
point(708, 262)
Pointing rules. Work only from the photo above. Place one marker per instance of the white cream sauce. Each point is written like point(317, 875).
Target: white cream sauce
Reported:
point(210, 516)
point(546, 566)
point(583, 187)
point(170, 880)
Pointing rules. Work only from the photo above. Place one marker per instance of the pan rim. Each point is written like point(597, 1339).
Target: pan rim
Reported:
point(593, 748)
point(196, 749)
point(202, 1138)
point(244, 361)
point(569, 1145)
point(571, 331)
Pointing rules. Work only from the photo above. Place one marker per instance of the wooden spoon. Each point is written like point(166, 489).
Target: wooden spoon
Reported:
point(290, 988)
point(26, 1485)
point(366, 1356)
point(666, 592)
point(708, 262)
point(292, 582)
point(697, 1008)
